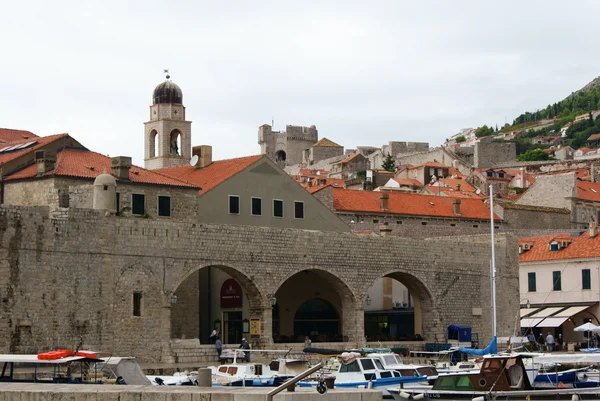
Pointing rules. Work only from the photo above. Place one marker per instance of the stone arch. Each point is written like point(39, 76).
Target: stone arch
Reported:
point(280, 156)
point(152, 143)
point(197, 309)
point(175, 142)
point(421, 300)
point(318, 319)
point(315, 283)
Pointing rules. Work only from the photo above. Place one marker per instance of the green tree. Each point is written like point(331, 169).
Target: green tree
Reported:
point(389, 163)
point(533, 155)
point(460, 139)
point(483, 131)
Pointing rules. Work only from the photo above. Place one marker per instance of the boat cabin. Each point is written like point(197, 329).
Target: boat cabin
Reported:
point(392, 361)
point(241, 370)
point(497, 373)
point(28, 368)
point(364, 369)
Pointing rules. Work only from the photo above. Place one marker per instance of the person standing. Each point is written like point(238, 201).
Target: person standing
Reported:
point(531, 340)
point(213, 335)
point(559, 343)
point(549, 341)
point(541, 342)
point(307, 342)
point(219, 346)
point(245, 346)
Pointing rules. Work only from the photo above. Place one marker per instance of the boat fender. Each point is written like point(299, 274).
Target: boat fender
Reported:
point(480, 398)
point(419, 397)
point(370, 384)
point(574, 397)
point(404, 395)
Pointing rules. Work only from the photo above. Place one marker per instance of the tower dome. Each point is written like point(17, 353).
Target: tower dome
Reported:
point(167, 92)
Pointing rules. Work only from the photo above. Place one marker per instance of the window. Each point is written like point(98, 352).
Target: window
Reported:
point(118, 202)
point(398, 221)
point(298, 210)
point(277, 208)
point(138, 205)
point(256, 206)
point(137, 304)
point(531, 286)
point(452, 225)
point(554, 246)
point(556, 285)
point(586, 279)
point(375, 221)
point(367, 364)
point(234, 204)
point(475, 225)
point(164, 206)
point(423, 223)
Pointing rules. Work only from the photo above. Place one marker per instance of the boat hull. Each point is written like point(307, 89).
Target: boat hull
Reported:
point(538, 394)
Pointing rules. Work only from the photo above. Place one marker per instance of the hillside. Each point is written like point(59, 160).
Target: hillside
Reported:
point(594, 84)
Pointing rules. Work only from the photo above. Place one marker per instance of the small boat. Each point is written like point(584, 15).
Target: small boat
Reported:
point(357, 371)
point(502, 377)
point(392, 361)
point(177, 379)
point(246, 375)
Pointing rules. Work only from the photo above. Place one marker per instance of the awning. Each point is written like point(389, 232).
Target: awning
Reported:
point(556, 319)
point(553, 321)
point(527, 311)
point(573, 310)
point(548, 311)
point(531, 322)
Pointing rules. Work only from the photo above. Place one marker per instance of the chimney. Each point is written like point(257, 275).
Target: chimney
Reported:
point(384, 200)
point(593, 228)
point(204, 153)
point(119, 167)
point(44, 161)
point(384, 229)
point(458, 187)
point(456, 203)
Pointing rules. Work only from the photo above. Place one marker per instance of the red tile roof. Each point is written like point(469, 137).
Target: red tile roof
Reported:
point(41, 142)
point(588, 191)
point(581, 247)
point(410, 204)
point(9, 135)
point(85, 164)
point(214, 174)
point(350, 158)
point(408, 181)
point(594, 137)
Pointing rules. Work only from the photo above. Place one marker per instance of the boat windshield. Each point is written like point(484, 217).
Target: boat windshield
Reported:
point(351, 367)
point(367, 364)
point(390, 360)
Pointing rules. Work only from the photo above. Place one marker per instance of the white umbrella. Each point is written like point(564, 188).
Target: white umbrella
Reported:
point(587, 327)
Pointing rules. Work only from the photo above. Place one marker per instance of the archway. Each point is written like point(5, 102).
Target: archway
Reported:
point(314, 302)
point(212, 297)
point(152, 141)
point(319, 320)
point(175, 143)
point(280, 156)
point(397, 308)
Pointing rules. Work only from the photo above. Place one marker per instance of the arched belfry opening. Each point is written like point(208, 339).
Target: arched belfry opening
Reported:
point(317, 304)
point(397, 308)
point(214, 297)
point(152, 143)
point(175, 143)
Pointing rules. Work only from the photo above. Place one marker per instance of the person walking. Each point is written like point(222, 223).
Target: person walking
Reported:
point(245, 346)
point(219, 346)
point(549, 341)
point(541, 342)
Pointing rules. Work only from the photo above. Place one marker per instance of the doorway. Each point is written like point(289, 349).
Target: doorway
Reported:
point(232, 327)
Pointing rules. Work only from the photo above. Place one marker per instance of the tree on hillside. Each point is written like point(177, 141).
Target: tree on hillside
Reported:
point(483, 131)
point(460, 138)
point(389, 164)
point(533, 155)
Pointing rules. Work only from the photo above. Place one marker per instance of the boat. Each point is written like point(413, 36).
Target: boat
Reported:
point(502, 377)
point(392, 361)
point(246, 375)
point(357, 371)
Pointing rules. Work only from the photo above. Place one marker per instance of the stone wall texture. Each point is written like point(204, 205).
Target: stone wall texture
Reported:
point(72, 276)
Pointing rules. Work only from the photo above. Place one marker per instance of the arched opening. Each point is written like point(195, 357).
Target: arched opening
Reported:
point(318, 319)
point(394, 308)
point(280, 156)
point(314, 303)
point(152, 140)
point(175, 143)
point(214, 297)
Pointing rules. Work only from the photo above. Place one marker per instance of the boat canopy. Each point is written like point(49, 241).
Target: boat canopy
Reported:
point(492, 348)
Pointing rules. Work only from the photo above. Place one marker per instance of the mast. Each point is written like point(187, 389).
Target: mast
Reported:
point(493, 263)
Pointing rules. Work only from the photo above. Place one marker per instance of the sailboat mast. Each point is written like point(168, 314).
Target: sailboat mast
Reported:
point(493, 264)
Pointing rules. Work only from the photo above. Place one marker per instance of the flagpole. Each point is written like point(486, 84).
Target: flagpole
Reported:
point(493, 264)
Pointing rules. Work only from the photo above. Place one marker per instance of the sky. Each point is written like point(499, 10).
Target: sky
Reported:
point(364, 73)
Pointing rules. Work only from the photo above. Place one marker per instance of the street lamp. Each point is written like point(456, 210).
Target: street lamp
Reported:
point(528, 304)
point(368, 300)
point(273, 301)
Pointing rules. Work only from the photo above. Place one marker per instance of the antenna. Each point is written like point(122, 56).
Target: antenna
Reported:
point(194, 160)
point(273, 122)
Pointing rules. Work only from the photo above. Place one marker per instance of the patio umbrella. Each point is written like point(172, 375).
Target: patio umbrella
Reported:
point(587, 327)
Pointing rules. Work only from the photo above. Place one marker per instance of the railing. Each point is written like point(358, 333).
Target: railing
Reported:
point(292, 382)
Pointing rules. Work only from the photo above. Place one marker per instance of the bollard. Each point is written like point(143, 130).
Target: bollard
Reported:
point(204, 377)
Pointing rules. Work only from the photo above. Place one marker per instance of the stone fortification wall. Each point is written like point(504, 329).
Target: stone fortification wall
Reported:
point(552, 191)
point(75, 277)
point(394, 148)
point(488, 154)
point(319, 153)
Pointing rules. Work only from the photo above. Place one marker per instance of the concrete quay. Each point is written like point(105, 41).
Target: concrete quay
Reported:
point(92, 392)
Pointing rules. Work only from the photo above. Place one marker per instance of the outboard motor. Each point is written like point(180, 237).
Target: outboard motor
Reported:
point(120, 380)
point(159, 381)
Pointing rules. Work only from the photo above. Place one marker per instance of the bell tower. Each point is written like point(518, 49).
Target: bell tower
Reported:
point(167, 135)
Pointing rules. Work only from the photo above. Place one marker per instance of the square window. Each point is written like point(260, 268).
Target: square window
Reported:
point(234, 204)
point(475, 226)
point(256, 206)
point(586, 279)
point(556, 281)
point(138, 204)
point(423, 223)
point(398, 221)
point(298, 210)
point(531, 285)
point(452, 225)
point(277, 208)
point(164, 206)
point(375, 221)
point(137, 304)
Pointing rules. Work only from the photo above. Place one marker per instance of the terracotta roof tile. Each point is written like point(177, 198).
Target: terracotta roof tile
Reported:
point(85, 164)
point(408, 181)
point(212, 175)
point(9, 135)
point(581, 247)
point(409, 204)
point(588, 190)
point(327, 143)
point(594, 137)
point(349, 158)
point(41, 142)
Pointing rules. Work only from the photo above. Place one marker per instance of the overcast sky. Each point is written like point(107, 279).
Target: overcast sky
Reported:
point(363, 72)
